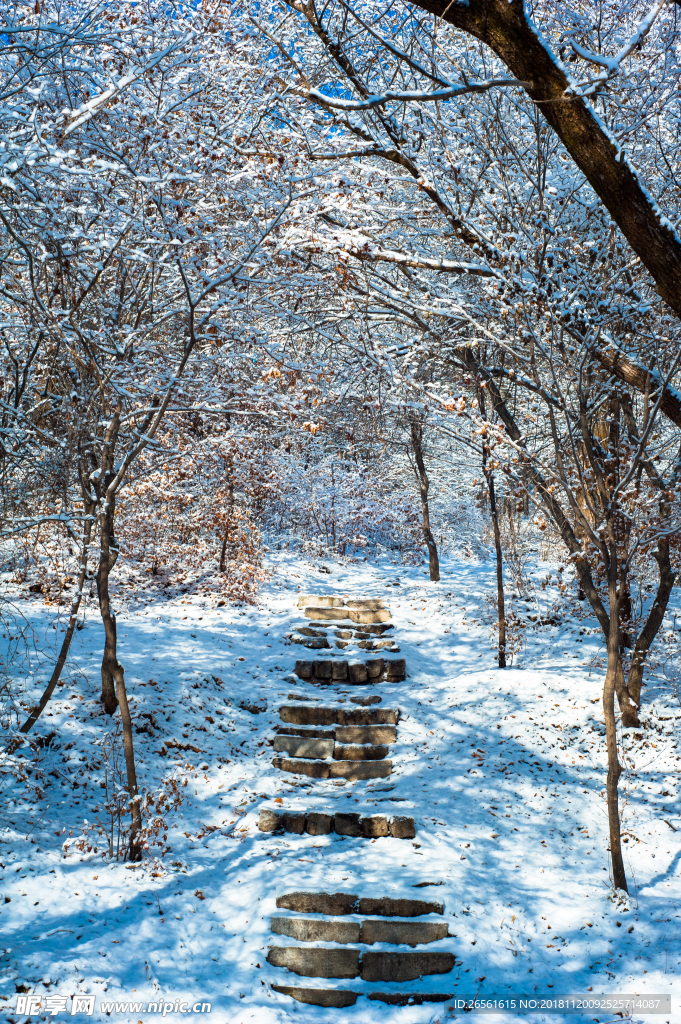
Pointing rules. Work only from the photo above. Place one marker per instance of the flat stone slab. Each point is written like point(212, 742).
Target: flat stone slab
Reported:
point(332, 997)
point(313, 769)
point(385, 906)
point(359, 769)
point(318, 931)
point(404, 966)
point(358, 752)
point(300, 714)
point(365, 716)
point(364, 615)
point(299, 730)
point(366, 734)
point(334, 904)
point(410, 998)
point(319, 613)
point(406, 933)
point(318, 963)
point(299, 746)
point(366, 701)
point(371, 604)
point(320, 601)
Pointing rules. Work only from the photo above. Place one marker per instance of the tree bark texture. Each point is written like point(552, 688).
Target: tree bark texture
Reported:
point(500, 572)
point(424, 487)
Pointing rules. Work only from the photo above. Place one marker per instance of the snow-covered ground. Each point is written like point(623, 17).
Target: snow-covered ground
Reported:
point(503, 771)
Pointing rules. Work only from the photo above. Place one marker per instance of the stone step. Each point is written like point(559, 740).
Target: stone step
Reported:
point(328, 670)
point(359, 751)
point(299, 746)
point(339, 904)
point(306, 930)
point(316, 963)
point(334, 769)
point(364, 734)
point(397, 998)
point(317, 823)
point(300, 730)
point(321, 962)
point(399, 933)
point(340, 615)
point(320, 601)
point(339, 997)
point(404, 933)
point(330, 997)
point(366, 701)
point(301, 714)
point(402, 966)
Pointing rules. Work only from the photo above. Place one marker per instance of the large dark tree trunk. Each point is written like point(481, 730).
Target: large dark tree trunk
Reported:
point(109, 658)
point(609, 686)
point(424, 486)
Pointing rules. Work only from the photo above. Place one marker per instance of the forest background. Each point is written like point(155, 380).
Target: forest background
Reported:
point(352, 278)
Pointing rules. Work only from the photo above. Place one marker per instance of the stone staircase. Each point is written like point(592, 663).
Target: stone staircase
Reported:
point(371, 966)
point(328, 738)
point(343, 618)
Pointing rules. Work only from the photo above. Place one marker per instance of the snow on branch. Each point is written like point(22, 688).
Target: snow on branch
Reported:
point(409, 96)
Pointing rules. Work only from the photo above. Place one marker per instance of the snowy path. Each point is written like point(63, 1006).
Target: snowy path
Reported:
point(502, 771)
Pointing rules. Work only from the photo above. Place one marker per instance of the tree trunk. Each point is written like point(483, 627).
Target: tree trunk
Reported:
point(614, 767)
point(424, 486)
point(500, 574)
point(109, 658)
point(37, 711)
point(134, 850)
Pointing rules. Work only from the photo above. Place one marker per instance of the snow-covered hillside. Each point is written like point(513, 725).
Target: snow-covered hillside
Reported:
point(503, 772)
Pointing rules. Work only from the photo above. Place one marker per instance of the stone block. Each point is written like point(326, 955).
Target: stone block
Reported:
point(404, 966)
point(357, 716)
point(366, 734)
point(409, 998)
point(303, 669)
point(317, 931)
point(302, 715)
point(341, 644)
point(321, 669)
point(370, 604)
point(358, 752)
point(293, 821)
point(334, 904)
point(347, 824)
point(316, 645)
point(366, 701)
point(407, 933)
point(395, 669)
point(374, 826)
point(319, 614)
point(375, 668)
point(359, 769)
point(300, 730)
point(357, 672)
point(343, 634)
point(307, 631)
point(299, 746)
point(402, 827)
point(317, 963)
point(339, 670)
point(319, 824)
point(366, 645)
point(319, 601)
point(385, 906)
point(359, 615)
point(313, 769)
point(269, 821)
point(329, 997)
point(378, 629)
